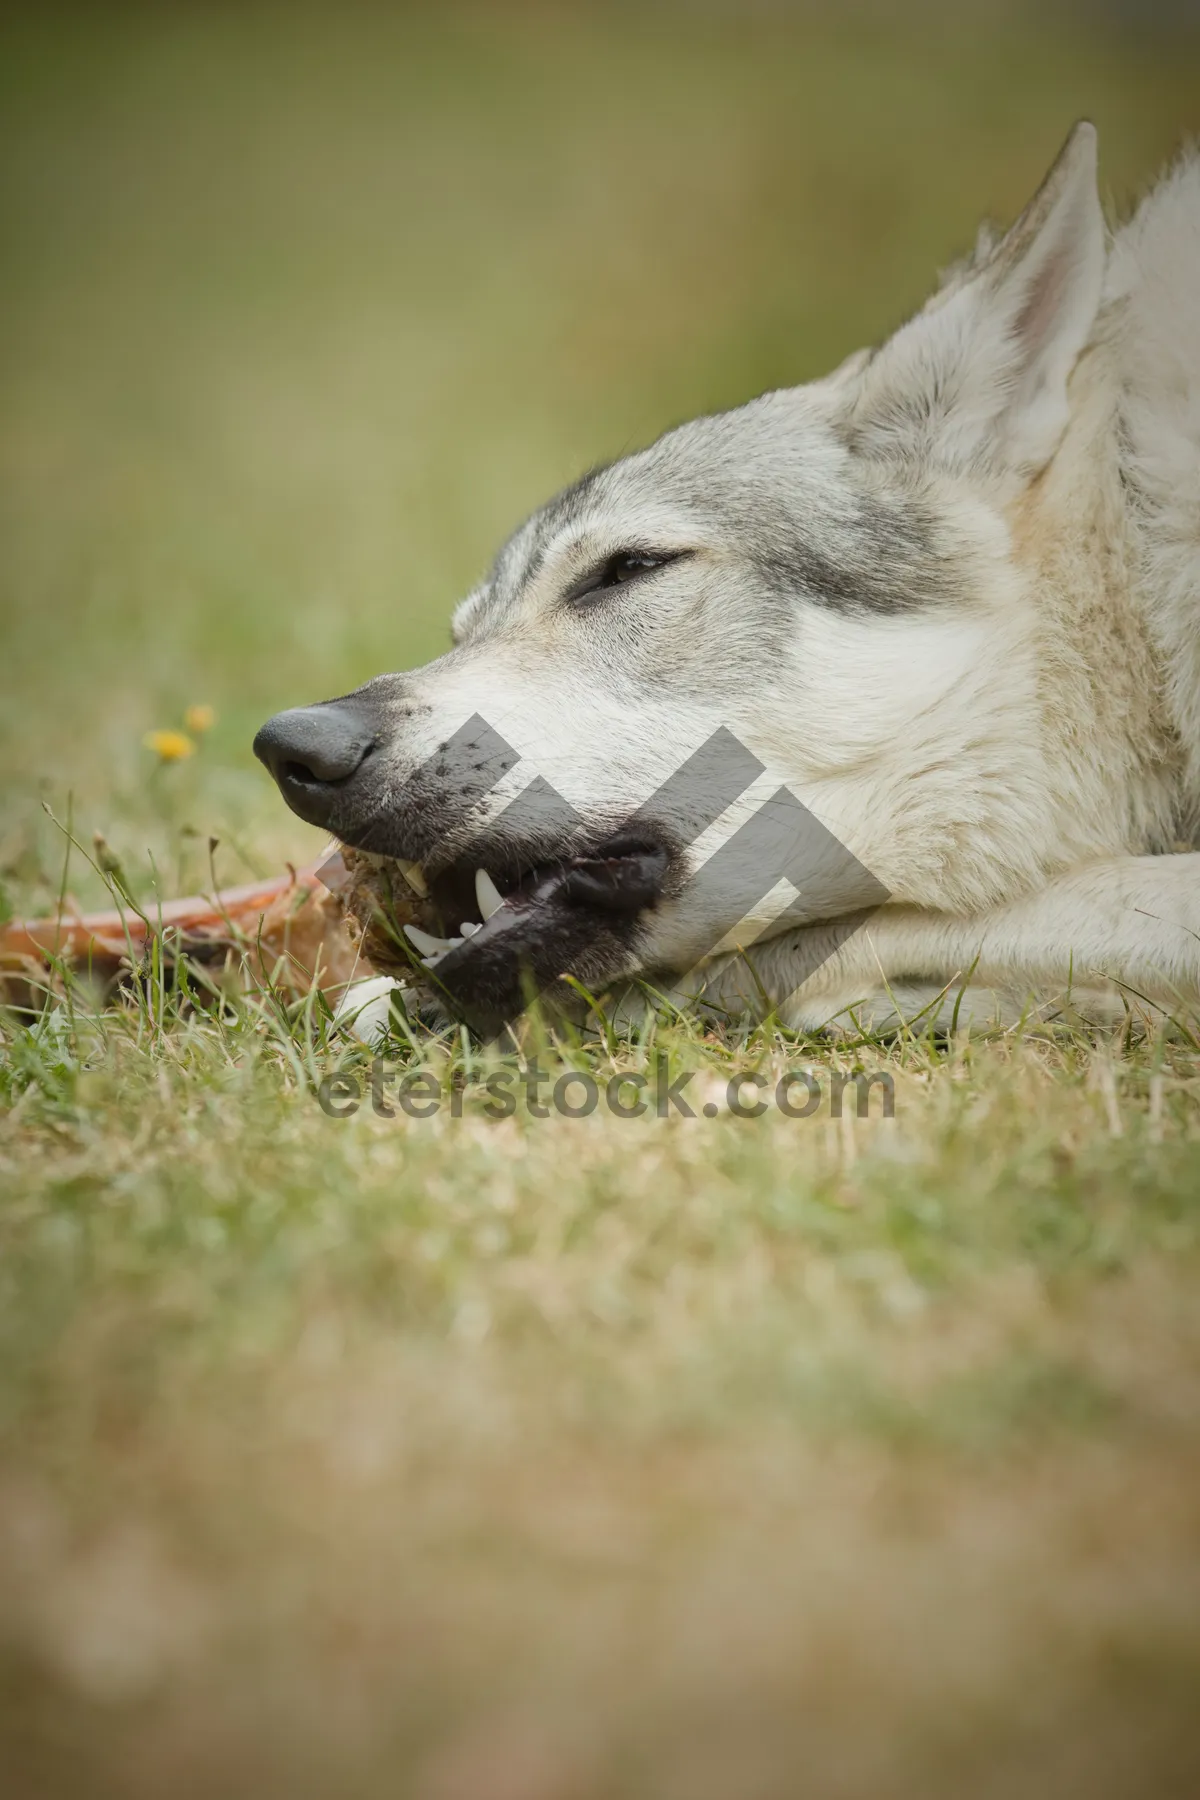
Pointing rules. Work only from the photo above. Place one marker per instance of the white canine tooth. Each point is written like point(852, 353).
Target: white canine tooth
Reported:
point(414, 875)
point(426, 942)
point(487, 894)
point(469, 928)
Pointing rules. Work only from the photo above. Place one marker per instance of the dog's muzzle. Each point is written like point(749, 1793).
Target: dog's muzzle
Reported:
point(486, 910)
point(315, 753)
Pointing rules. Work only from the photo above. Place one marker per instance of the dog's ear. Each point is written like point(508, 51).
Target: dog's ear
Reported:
point(980, 376)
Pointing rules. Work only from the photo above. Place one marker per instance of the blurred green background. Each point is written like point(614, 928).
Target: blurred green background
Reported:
point(303, 308)
point(520, 1461)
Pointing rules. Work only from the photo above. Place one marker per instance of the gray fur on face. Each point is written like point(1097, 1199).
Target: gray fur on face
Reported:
point(769, 488)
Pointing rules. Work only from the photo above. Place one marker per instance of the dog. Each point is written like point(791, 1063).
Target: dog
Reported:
point(947, 599)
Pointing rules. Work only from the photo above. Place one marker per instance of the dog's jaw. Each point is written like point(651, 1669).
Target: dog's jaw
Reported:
point(484, 946)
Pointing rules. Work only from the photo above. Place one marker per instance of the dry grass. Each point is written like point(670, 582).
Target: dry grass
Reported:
point(533, 1459)
point(551, 1457)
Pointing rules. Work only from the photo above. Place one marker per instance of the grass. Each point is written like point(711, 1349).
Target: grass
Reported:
point(526, 1459)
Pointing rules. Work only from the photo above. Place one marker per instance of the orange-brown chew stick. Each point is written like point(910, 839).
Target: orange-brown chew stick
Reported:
point(290, 930)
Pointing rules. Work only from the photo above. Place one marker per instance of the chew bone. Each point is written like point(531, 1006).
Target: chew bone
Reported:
point(290, 931)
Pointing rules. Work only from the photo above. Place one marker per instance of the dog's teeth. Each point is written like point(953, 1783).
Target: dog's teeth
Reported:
point(427, 943)
point(414, 875)
point(469, 928)
point(487, 894)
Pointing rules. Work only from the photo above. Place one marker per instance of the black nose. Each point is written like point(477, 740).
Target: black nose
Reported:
point(312, 750)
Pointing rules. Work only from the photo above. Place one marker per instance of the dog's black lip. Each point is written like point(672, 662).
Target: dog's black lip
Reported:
point(622, 876)
point(618, 877)
point(625, 882)
point(618, 874)
point(517, 906)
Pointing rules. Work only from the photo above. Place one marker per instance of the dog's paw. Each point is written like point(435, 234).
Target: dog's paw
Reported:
point(365, 1009)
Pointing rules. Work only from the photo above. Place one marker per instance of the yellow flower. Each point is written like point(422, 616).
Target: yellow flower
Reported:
point(169, 746)
point(199, 719)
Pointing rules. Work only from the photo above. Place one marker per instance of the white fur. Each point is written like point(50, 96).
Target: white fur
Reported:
point(993, 354)
point(1013, 759)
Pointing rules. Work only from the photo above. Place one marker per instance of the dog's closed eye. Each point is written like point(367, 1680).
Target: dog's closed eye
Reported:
point(616, 571)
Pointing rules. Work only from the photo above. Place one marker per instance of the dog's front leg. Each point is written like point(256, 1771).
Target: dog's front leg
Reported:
point(1096, 938)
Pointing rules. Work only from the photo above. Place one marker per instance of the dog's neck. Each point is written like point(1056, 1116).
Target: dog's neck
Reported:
point(1116, 756)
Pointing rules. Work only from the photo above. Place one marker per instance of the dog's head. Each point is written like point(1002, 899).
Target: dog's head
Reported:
point(815, 592)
